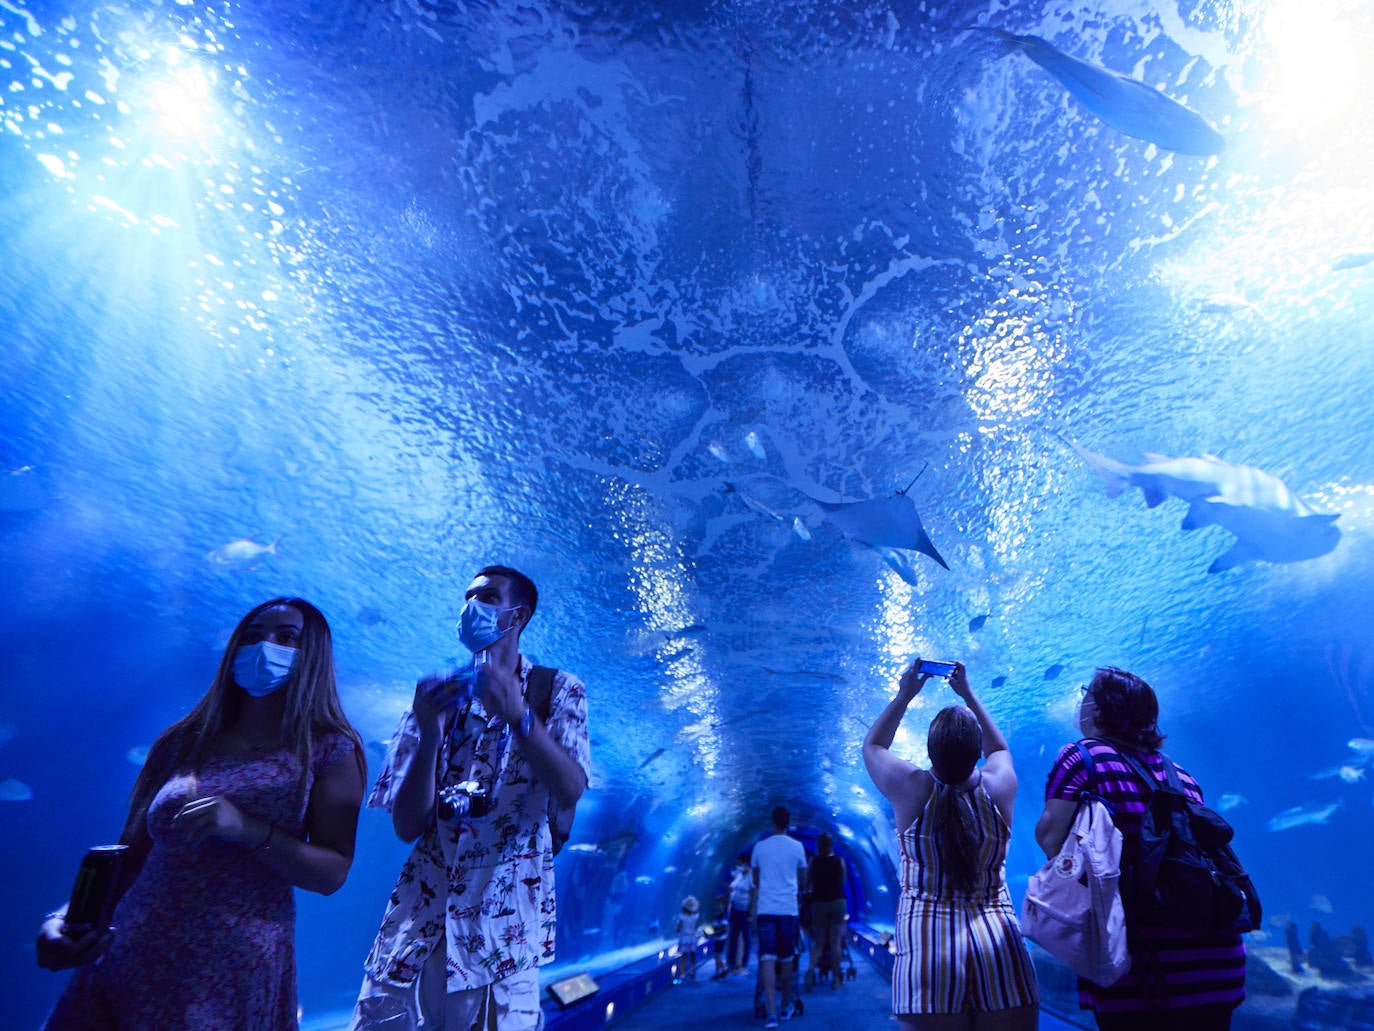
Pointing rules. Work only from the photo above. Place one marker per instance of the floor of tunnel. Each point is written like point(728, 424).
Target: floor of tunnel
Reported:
point(728, 1003)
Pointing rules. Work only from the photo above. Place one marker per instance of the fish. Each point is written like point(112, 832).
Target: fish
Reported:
point(1228, 304)
point(718, 452)
point(753, 503)
point(1361, 744)
point(1270, 522)
point(1230, 801)
point(890, 522)
point(1125, 104)
point(976, 623)
point(800, 528)
point(755, 446)
point(1053, 672)
point(1351, 259)
point(1351, 774)
point(242, 554)
point(1302, 814)
point(1321, 904)
point(900, 563)
point(652, 756)
point(12, 790)
point(369, 616)
point(997, 681)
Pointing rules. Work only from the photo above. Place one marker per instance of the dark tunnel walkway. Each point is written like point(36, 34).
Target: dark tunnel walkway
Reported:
point(723, 1005)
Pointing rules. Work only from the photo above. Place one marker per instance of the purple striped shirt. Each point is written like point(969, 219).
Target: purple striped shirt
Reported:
point(1169, 969)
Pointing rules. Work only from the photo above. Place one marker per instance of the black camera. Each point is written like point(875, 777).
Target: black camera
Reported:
point(466, 800)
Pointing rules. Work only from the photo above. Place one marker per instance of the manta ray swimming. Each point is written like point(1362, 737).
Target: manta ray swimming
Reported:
point(1126, 104)
point(884, 524)
point(1270, 522)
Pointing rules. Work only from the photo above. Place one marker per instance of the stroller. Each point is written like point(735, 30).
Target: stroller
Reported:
point(834, 970)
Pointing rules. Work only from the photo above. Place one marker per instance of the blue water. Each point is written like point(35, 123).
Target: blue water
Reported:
point(614, 293)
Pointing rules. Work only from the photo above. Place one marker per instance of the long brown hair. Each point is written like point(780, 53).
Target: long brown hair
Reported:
point(955, 741)
point(312, 708)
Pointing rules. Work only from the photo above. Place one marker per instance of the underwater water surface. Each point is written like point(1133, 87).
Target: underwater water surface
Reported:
point(348, 299)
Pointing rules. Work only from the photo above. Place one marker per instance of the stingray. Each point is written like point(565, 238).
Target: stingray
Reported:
point(882, 523)
point(1125, 104)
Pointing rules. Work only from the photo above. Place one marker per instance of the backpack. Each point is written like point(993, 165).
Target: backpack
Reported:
point(1187, 876)
point(539, 697)
point(1073, 907)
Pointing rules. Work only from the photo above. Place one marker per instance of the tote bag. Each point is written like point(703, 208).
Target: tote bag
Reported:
point(1072, 907)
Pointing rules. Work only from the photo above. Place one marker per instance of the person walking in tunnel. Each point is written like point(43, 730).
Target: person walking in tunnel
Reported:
point(1178, 980)
point(828, 912)
point(742, 895)
point(254, 792)
point(481, 775)
point(961, 960)
point(779, 866)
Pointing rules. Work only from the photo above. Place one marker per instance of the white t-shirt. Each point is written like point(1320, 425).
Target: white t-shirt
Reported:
point(777, 859)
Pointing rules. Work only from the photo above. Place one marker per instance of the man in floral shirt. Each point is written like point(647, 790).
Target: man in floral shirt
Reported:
point(477, 773)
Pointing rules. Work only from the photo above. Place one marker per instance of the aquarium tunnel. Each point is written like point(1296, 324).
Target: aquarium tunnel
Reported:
point(777, 342)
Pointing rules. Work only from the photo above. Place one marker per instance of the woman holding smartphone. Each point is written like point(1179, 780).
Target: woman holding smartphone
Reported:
point(255, 792)
point(961, 960)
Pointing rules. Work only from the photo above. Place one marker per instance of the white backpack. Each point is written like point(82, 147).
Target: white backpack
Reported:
point(1072, 907)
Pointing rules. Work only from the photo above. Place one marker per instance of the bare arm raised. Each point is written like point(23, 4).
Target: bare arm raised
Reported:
point(999, 776)
point(902, 783)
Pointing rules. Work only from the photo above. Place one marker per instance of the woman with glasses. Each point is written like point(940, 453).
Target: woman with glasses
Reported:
point(1179, 980)
point(961, 961)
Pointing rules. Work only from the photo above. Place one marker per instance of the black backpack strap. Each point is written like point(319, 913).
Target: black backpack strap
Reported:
point(539, 690)
point(1144, 772)
point(1089, 791)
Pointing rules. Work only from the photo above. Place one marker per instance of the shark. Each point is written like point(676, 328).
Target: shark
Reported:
point(1270, 522)
point(1126, 104)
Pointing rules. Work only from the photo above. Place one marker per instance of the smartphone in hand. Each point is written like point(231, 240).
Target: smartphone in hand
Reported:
point(932, 668)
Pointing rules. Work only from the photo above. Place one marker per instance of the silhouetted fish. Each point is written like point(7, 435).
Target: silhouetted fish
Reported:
point(15, 791)
point(1352, 259)
point(652, 756)
point(369, 616)
point(1301, 814)
point(1125, 104)
point(976, 623)
point(1053, 671)
point(998, 681)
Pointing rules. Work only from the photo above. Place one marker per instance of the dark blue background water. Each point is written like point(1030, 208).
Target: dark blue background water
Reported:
point(611, 296)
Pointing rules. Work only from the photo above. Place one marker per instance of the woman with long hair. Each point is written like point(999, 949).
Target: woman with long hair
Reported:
point(961, 960)
point(255, 791)
point(1179, 980)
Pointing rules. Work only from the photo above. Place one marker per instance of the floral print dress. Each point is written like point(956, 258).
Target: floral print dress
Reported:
point(204, 937)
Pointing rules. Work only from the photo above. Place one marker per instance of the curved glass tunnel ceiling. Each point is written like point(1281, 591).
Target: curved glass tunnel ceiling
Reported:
point(634, 299)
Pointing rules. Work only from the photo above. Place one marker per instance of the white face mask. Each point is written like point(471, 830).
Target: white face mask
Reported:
point(264, 667)
point(1085, 702)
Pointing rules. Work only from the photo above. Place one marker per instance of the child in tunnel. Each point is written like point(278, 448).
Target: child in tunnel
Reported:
point(687, 937)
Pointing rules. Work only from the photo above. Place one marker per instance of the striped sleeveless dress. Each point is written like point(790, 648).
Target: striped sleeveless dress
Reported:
point(958, 952)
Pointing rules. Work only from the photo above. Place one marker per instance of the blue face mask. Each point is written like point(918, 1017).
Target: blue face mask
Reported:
point(264, 667)
point(478, 627)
